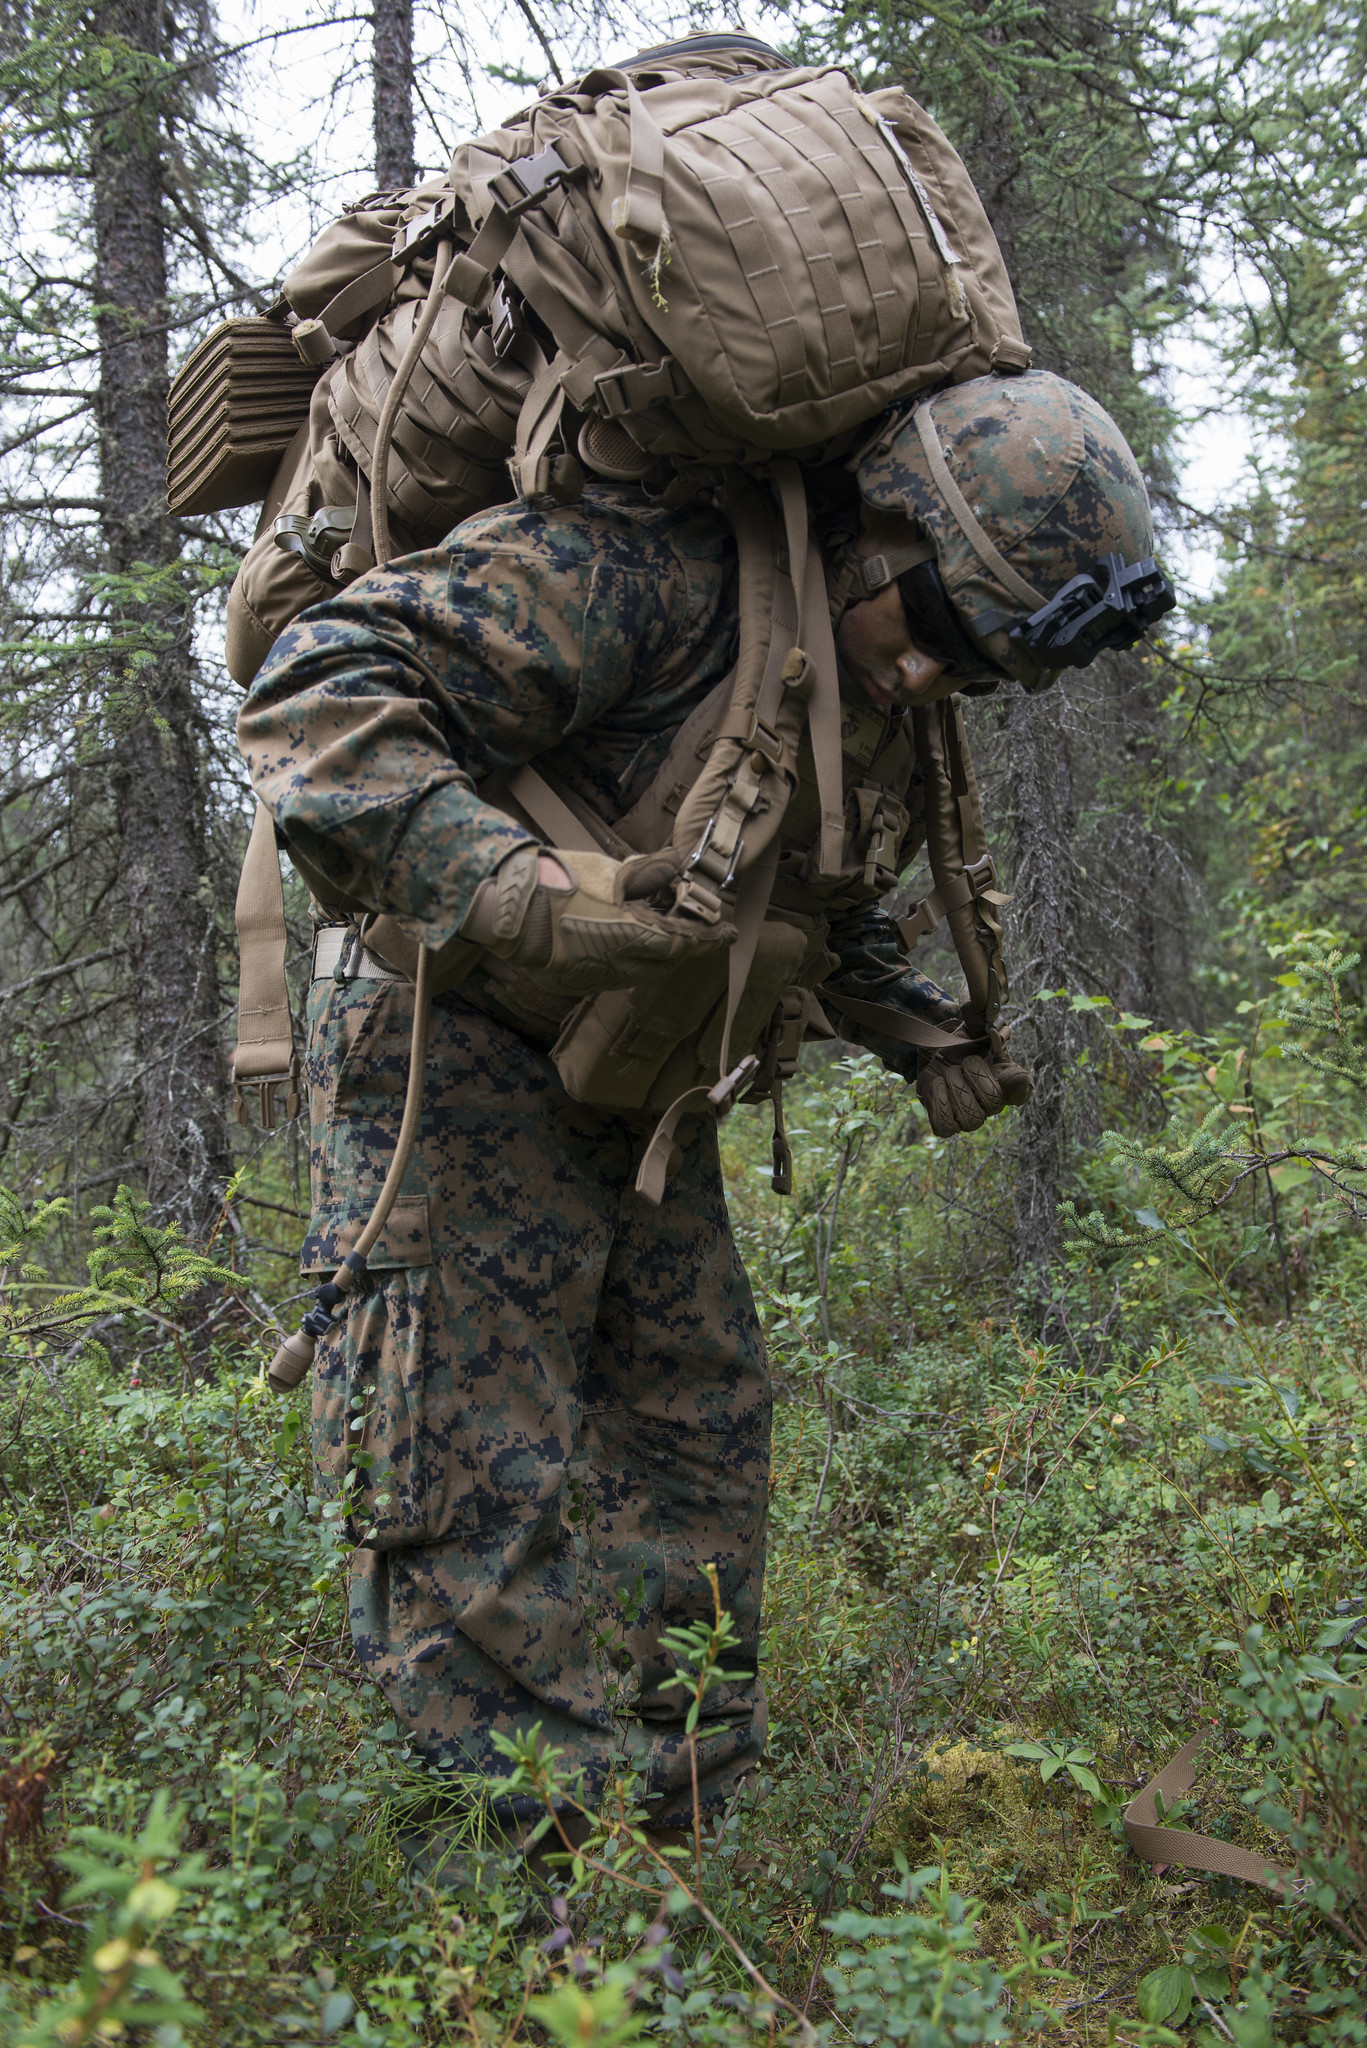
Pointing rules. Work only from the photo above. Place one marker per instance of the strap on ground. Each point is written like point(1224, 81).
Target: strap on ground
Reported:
point(1157, 1844)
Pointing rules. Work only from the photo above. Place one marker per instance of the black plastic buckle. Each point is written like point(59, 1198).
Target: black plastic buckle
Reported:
point(531, 178)
point(633, 387)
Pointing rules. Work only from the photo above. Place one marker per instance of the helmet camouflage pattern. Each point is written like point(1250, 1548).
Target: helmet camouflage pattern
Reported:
point(1049, 481)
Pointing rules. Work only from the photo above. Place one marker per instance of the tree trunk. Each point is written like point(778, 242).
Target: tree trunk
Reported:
point(1040, 804)
point(394, 159)
point(158, 780)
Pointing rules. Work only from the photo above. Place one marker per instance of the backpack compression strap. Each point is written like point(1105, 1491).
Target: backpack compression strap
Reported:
point(265, 1054)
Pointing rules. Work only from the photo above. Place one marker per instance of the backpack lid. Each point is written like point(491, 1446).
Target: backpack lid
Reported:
point(705, 44)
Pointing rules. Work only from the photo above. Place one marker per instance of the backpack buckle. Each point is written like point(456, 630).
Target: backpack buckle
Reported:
point(733, 1083)
point(981, 875)
point(418, 237)
point(633, 387)
point(527, 181)
point(502, 320)
point(266, 1086)
point(693, 898)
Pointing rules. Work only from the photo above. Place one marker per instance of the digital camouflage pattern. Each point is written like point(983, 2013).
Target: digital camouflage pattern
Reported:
point(536, 1327)
point(537, 1334)
point(589, 633)
point(1048, 473)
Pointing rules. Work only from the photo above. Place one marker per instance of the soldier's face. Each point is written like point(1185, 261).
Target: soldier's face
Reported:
point(880, 656)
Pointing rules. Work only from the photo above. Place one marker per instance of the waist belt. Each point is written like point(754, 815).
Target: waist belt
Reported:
point(338, 955)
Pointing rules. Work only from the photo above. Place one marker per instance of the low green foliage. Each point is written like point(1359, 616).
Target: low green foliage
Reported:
point(1009, 1578)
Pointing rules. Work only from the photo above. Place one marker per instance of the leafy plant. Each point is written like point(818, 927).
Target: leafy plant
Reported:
point(140, 1882)
point(1053, 1757)
point(919, 1976)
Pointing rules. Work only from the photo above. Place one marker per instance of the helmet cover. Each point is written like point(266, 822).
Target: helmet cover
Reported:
point(1047, 474)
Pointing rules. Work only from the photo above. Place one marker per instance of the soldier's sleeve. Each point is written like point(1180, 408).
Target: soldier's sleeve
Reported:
point(378, 711)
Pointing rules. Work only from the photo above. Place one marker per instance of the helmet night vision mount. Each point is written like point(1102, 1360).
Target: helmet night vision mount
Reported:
point(1110, 607)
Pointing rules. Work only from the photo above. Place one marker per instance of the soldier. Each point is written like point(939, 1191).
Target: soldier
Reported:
point(532, 1323)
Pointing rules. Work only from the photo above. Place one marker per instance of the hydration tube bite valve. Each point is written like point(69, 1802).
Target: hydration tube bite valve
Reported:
point(295, 1354)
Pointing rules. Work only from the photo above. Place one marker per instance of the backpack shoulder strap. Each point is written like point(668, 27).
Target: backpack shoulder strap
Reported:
point(963, 870)
point(649, 824)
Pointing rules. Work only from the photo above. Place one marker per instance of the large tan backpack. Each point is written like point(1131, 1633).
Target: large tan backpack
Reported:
point(699, 278)
point(690, 261)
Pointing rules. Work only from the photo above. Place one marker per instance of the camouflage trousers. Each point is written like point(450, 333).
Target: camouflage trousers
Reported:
point(553, 1404)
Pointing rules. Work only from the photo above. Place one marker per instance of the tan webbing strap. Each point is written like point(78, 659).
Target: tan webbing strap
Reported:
point(964, 783)
point(265, 1035)
point(638, 216)
point(876, 570)
point(960, 865)
point(1158, 1844)
point(529, 463)
point(389, 412)
point(653, 1174)
point(362, 295)
point(354, 557)
point(550, 814)
point(470, 274)
point(817, 640)
point(897, 1024)
point(752, 901)
point(969, 522)
point(638, 213)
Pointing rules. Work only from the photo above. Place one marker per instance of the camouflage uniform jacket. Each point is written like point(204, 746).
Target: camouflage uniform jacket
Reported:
point(584, 637)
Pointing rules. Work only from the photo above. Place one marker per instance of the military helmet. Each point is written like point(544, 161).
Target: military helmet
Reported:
point(1034, 539)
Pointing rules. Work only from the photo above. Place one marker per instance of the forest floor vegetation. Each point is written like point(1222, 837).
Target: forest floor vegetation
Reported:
point(1011, 1573)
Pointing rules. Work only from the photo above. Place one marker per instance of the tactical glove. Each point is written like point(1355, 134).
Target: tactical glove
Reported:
point(960, 1091)
point(901, 989)
point(596, 934)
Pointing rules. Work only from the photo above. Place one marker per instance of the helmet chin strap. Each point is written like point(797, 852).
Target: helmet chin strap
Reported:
point(857, 576)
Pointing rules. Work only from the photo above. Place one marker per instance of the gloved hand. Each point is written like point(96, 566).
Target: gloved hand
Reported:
point(912, 994)
point(594, 934)
point(960, 1091)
